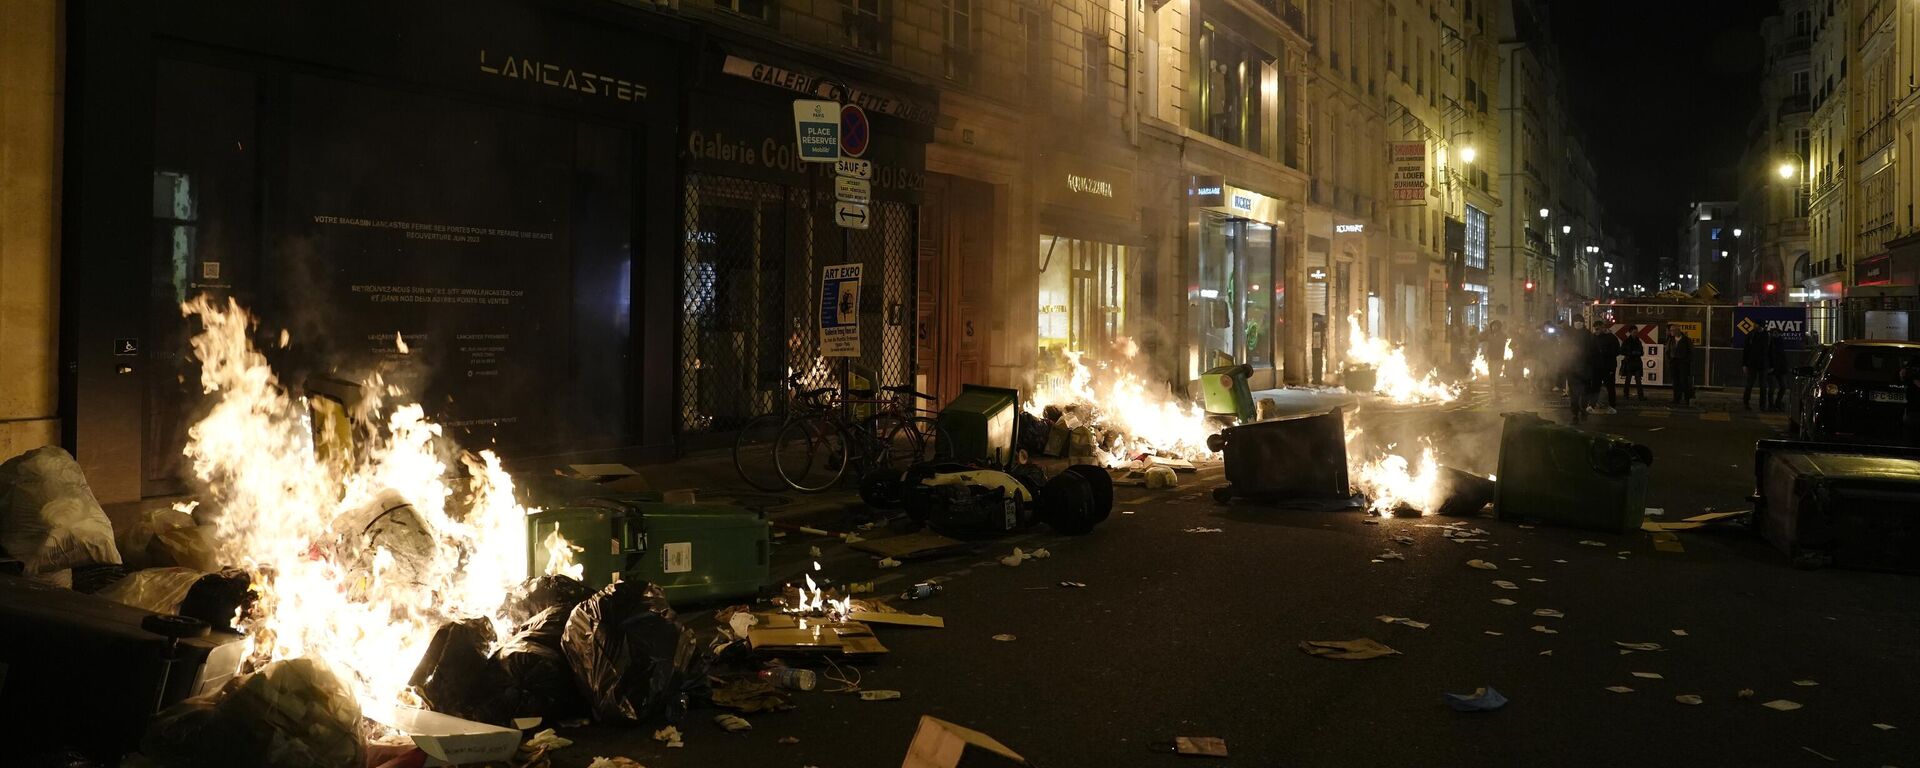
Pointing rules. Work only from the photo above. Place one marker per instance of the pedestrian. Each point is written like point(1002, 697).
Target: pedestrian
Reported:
point(1604, 359)
point(1777, 368)
point(1754, 361)
point(1493, 347)
point(1633, 365)
point(1680, 368)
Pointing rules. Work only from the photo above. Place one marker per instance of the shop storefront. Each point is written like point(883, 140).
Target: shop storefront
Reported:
point(496, 196)
point(1090, 257)
point(759, 225)
point(1237, 296)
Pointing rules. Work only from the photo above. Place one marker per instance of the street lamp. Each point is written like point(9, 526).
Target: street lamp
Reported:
point(1566, 229)
point(1736, 232)
point(1543, 213)
point(1786, 169)
point(1467, 154)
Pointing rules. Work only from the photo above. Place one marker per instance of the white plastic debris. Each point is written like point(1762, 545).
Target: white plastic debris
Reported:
point(1542, 629)
point(1655, 511)
point(741, 623)
point(1549, 613)
point(547, 739)
point(813, 552)
point(1782, 705)
point(614, 762)
point(1592, 543)
point(1649, 675)
point(1536, 580)
point(1548, 652)
point(1041, 554)
point(1391, 555)
point(732, 723)
point(1680, 633)
point(669, 736)
point(1205, 530)
point(1883, 726)
point(1805, 683)
point(1161, 477)
point(888, 562)
point(1385, 619)
point(1504, 601)
point(1014, 559)
point(1505, 584)
point(1491, 632)
point(1619, 689)
point(1404, 539)
point(1689, 698)
point(1482, 565)
point(1005, 638)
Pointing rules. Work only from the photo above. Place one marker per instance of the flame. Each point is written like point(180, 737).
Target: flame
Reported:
point(1506, 353)
point(1393, 375)
point(303, 531)
point(560, 556)
point(1390, 481)
point(1480, 369)
point(1122, 406)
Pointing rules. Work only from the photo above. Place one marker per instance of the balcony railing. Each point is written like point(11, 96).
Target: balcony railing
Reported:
point(1792, 104)
point(1289, 12)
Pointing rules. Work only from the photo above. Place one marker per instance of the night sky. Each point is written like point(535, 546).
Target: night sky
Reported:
point(1662, 92)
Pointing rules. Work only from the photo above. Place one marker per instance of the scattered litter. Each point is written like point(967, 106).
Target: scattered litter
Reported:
point(1549, 613)
point(1560, 561)
point(578, 722)
point(1883, 726)
point(1481, 700)
point(1504, 601)
point(1385, 619)
point(1619, 689)
point(789, 740)
point(1543, 629)
point(1623, 553)
point(1816, 753)
point(1491, 632)
point(924, 590)
point(879, 695)
point(669, 736)
point(1513, 559)
point(1649, 675)
point(1624, 651)
point(1014, 559)
point(1536, 580)
point(1482, 565)
point(1689, 699)
point(1782, 705)
point(1592, 543)
point(1548, 652)
point(888, 562)
point(1041, 554)
point(755, 694)
point(1369, 521)
point(1206, 530)
point(546, 739)
point(1005, 638)
point(1716, 516)
point(1404, 539)
point(1073, 584)
point(1655, 512)
point(1656, 429)
point(614, 762)
point(1200, 746)
point(813, 552)
point(1680, 633)
point(1745, 693)
point(1384, 556)
point(1505, 584)
point(1805, 683)
point(1528, 527)
point(732, 723)
point(1126, 511)
point(1639, 646)
point(1347, 650)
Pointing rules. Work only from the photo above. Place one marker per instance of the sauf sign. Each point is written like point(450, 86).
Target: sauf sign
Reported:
point(1788, 325)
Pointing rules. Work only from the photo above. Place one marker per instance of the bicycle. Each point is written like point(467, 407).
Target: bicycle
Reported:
point(814, 451)
point(753, 447)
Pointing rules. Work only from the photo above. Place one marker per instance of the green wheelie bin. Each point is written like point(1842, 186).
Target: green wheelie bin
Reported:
point(1569, 477)
point(698, 552)
point(1225, 392)
point(979, 424)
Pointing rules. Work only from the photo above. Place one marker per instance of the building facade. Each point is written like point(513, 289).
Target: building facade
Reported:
point(1773, 257)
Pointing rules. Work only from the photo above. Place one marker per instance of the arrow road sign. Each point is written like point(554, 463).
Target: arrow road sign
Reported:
point(850, 215)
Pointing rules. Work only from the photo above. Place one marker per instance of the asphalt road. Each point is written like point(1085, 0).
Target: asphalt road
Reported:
point(1197, 634)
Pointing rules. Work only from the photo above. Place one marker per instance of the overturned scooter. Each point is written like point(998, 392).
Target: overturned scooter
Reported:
point(966, 501)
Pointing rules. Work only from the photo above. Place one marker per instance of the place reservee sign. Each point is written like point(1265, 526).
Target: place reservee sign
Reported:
point(1787, 324)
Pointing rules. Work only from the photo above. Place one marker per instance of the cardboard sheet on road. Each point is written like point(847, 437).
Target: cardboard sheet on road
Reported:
point(781, 633)
point(899, 619)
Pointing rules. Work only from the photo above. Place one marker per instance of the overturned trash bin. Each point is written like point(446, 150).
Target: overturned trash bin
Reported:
point(1850, 506)
point(1296, 458)
point(1464, 493)
point(1225, 392)
point(1563, 476)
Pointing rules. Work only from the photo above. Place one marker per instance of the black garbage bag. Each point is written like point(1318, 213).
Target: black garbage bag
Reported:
point(217, 597)
point(539, 680)
point(457, 677)
point(631, 657)
point(538, 594)
point(291, 714)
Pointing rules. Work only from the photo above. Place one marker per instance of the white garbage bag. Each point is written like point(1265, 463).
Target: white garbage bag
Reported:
point(48, 516)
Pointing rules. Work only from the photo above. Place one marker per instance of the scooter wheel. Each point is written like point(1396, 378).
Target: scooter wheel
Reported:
point(1101, 484)
point(1067, 504)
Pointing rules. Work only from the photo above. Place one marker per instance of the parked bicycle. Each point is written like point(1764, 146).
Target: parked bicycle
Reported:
point(820, 436)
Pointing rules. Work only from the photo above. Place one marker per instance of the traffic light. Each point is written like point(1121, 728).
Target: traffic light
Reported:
point(1529, 286)
point(1769, 286)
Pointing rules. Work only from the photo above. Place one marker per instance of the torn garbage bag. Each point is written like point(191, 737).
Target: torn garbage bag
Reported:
point(291, 714)
point(457, 677)
point(539, 680)
point(632, 658)
point(539, 594)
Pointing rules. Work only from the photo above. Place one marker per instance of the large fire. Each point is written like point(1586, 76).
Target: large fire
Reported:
point(1131, 415)
point(355, 561)
point(1390, 481)
point(1394, 377)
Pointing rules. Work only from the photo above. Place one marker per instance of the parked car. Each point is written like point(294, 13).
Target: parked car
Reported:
point(1853, 394)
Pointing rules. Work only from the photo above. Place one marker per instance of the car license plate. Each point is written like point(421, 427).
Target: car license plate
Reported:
point(1889, 397)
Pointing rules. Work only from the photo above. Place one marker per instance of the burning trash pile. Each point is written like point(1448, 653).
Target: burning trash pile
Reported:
point(1384, 370)
point(1105, 415)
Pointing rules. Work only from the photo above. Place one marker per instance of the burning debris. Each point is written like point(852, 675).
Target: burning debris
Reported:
point(1393, 376)
point(1119, 416)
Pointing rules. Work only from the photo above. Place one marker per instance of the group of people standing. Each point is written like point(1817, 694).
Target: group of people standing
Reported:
point(1577, 363)
point(1765, 362)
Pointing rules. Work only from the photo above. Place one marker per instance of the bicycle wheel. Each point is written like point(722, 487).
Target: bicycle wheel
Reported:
point(897, 444)
point(811, 454)
point(753, 452)
point(934, 445)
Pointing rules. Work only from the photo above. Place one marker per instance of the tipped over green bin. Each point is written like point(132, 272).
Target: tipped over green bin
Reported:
point(1559, 475)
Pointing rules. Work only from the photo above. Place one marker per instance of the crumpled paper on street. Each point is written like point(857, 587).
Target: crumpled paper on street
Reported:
point(1782, 705)
point(732, 723)
point(1481, 700)
point(1482, 565)
point(546, 739)
point(749, 695)
point(669, 736)
point(1385, 619)
point(1347, 650)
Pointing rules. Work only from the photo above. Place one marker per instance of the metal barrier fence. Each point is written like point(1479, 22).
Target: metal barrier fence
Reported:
point(750, 278)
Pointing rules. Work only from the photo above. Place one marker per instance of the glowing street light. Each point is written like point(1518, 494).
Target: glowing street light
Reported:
point(1543, 213)
point(1566, 229)
point(1467, 154)
point(1736, 232)
point(1786, 170)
